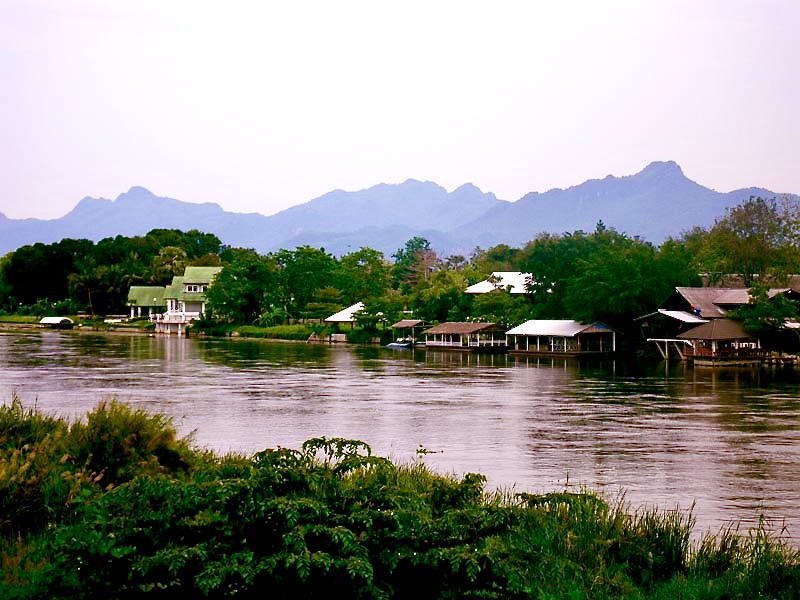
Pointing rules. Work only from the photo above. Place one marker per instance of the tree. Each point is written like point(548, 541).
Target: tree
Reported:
point(754, 240)
point(441, 297)
point(363, 274)
point(414, 260)
point(501, 307)
point(245, 291)
point(767, 317)
point(303, 271)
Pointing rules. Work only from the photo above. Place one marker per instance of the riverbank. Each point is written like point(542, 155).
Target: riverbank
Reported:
point(116, 505)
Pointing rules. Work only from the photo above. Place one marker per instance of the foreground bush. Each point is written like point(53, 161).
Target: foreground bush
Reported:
point(139, 514)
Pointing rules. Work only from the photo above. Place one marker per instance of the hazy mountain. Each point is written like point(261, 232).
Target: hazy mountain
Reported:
point(656, 203)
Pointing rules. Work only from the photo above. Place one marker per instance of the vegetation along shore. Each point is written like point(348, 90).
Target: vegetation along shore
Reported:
point(603, 276)
point(115, 505)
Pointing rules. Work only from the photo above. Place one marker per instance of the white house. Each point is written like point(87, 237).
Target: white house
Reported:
point(186, 299)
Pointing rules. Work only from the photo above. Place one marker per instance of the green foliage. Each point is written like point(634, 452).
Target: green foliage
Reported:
point(243, 291)
point(605, 276)
point(412, 262)
point(766, 317)
point(333, 519)
point(118, 443)
point(363, 274)
point(303, 271)
point(756, 239)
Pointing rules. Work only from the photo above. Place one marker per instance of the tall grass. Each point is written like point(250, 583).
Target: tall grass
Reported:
point(115, 506)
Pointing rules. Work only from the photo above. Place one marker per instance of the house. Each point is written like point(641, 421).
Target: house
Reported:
point(145, 300)
point(470, 337)
point(690, 307)
point(185, 299)
point(561, 337)
point(721, 342)
point(715, 302)
point(513, 281)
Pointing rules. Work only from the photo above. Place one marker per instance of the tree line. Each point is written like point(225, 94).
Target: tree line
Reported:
point(603, 275)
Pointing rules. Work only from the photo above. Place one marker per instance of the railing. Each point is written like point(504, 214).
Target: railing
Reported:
point(727, 353)
point(479, 343)
point(174, 317)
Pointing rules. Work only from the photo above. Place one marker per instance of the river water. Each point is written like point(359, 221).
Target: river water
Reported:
point(723, 443)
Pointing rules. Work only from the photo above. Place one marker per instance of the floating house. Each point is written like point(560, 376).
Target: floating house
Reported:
point(408, 331)
point(721, 342)
point(689, 308)
point(466, 336)
point(561, 337)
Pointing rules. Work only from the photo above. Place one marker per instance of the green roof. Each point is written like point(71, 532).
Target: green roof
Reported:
point(174, 289)
point(200, 274)
point(146, 295)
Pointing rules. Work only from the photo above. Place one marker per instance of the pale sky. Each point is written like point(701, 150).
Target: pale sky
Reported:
point(263, 105)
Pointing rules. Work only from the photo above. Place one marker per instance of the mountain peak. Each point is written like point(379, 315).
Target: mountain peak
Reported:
point(668, 168)
point(137, 192)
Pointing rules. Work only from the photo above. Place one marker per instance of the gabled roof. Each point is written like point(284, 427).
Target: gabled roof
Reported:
point(556, 327)
point(200, 274)
point(717, 329)
point(715, 302)
point(146, 295)
point(346, 315)
point(500, 280)
point(174, 289)
point(462, 328)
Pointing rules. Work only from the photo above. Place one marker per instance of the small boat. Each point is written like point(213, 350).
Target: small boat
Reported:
point(57, 322)
point(398, 345)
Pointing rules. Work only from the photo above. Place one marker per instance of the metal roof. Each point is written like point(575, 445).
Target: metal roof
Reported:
point(346, 315)
point(500, 280)
point(556, 327)
point(682, 315)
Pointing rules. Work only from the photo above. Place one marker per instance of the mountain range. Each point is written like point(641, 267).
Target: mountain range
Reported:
point(657, 203)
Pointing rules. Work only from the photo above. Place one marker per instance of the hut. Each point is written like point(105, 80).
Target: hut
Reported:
point(722, 342)
point(466, 336)
point(408, 331)
point(561, 337)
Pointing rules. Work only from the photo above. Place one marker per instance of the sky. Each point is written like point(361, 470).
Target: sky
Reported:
point(259, 106)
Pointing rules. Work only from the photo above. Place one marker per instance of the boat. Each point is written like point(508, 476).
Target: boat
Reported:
point(397, 345)
point(57, 322)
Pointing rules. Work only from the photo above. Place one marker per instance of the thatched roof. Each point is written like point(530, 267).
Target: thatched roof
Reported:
point(462, 328)
point(717, 329)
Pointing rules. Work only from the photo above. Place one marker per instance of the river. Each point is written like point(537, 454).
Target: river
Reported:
point(723, 443)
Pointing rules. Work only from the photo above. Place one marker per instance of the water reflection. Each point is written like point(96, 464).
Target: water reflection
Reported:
point(666, 434)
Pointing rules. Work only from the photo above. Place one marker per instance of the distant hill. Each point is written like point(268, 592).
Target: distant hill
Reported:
point(656, 203)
